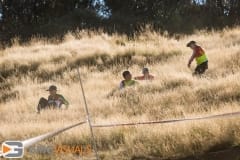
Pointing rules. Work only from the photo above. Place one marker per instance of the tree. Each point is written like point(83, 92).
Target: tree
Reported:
point(24, 15)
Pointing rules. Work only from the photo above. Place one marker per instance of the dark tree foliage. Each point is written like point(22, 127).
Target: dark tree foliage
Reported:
point(20, 17)
point(24, 17)
point(178, 15)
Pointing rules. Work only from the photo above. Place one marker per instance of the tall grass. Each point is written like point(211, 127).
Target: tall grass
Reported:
point(28, 70)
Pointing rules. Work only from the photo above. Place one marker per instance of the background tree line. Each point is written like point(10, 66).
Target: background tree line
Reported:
point(25, 18)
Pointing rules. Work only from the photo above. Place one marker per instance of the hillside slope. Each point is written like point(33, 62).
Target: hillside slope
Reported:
point(27, 71)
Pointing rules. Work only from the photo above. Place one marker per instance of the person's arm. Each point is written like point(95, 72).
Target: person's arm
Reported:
point(64, 101)
point(191, 59)
point(138, 78)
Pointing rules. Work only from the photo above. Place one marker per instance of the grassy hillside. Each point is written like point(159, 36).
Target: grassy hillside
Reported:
point(27, 71)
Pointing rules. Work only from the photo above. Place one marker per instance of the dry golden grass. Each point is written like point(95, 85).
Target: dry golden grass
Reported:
point(28, 70)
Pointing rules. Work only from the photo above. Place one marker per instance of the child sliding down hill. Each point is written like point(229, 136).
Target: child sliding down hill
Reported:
point(127, 80)
point(54, 100)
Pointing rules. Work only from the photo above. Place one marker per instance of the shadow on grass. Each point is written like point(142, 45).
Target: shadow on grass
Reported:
point(226, 154)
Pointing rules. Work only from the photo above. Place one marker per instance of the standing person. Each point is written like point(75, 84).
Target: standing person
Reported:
point(200, 57)
point(146, 75)
point(127, 80)
point(54, 100)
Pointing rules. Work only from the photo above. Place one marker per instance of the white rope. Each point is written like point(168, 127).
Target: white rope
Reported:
point(29, 142)
point(169, 121)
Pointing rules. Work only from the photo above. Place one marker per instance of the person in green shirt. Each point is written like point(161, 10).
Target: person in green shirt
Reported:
point(200, 56)
point(127, 80)
point(54, 100)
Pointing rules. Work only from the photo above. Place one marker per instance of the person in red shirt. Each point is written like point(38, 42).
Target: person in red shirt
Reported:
point(146, 75)
point(200, 57)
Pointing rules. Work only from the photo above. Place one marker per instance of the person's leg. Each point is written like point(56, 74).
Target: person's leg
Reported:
point(42, 104)
point(200, 69)
point(203, 67)
point(197, 70)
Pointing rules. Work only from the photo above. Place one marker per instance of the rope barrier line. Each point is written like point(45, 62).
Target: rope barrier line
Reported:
point(29, 142)
point(168, 121)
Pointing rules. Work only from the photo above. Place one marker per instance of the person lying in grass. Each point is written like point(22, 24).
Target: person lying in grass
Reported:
point(146, 75)
point(54, 100)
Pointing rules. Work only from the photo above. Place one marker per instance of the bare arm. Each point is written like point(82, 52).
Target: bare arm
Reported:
point(191, 59)
point(137, 78)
